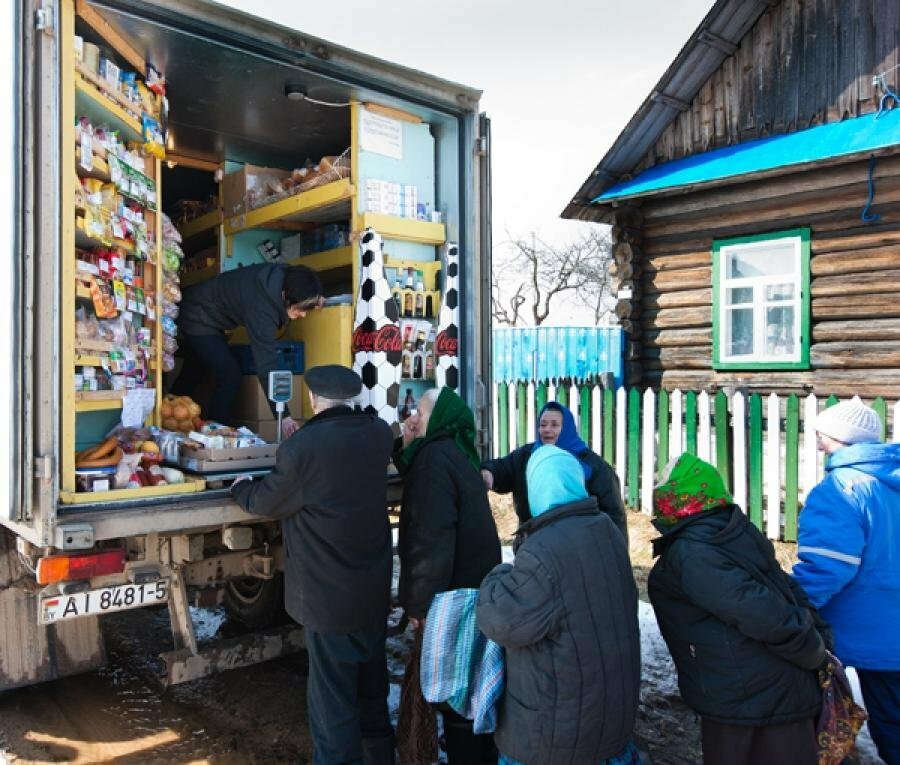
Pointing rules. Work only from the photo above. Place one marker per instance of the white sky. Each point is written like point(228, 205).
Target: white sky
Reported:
point(560, 79)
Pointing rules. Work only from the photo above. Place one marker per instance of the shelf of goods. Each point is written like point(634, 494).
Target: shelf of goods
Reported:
point(200, 225)
point(340, 257)
point(86, 95)
point(405, 229)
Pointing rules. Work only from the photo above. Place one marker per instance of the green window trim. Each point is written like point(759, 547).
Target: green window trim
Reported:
point(803, 302)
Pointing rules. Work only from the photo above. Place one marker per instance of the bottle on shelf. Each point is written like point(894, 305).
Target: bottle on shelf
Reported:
point(397, 292)
point(420, 296)
point(409, 405)
point(418, 365)
point(429, 364)
point(408, 298)
point(406, 366)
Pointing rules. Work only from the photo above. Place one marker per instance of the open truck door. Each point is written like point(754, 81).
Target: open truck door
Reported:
point(483, 393)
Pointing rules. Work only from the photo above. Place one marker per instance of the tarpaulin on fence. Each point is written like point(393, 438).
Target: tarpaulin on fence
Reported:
point(526, 354)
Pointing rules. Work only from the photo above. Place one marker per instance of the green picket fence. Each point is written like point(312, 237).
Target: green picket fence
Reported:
point(763, 446)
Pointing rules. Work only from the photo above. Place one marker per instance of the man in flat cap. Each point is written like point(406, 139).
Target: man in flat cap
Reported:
point(329, 488)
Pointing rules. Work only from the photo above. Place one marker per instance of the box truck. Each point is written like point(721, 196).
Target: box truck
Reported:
point(152, 145)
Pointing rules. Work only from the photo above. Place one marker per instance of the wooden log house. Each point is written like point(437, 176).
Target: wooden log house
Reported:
point(754, 200)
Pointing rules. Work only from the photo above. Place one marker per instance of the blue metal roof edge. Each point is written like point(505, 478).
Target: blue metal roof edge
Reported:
point(835, 139)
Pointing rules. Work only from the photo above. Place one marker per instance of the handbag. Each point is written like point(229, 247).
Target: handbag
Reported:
point(841, 717)
point(417, 739)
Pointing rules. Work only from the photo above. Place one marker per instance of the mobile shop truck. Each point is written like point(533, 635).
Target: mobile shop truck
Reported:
point(260, 143)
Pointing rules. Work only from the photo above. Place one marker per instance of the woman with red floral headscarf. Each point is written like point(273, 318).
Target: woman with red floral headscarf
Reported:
point(745, 639)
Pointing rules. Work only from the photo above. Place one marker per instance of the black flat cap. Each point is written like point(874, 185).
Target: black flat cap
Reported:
point(333, 381)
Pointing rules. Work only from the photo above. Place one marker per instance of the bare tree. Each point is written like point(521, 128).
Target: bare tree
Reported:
point(536, 273)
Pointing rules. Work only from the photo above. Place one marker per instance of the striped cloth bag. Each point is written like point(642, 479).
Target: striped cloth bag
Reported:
point(460, 665)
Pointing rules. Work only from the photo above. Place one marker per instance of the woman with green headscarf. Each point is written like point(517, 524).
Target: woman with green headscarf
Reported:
point(448, 539)
point(745, 639)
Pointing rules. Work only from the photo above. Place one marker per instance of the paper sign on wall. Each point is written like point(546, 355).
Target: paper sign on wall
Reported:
point(381, 135)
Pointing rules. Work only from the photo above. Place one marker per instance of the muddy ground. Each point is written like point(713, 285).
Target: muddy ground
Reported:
point(256, 715)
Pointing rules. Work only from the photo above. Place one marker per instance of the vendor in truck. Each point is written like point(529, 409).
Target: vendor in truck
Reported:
point(261, 298)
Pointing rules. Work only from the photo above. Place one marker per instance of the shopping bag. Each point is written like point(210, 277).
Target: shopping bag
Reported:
point(417, 740)
point(841, 717)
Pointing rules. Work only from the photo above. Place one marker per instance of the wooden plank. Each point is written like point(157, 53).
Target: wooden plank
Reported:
point(755, 462)
point(809, 471)
point(119, 42)
point(857, 354)
point(877, 306)
point(665, 318)
point(634, 448)
point(845, 59)
point(896, 433)
point(686, 299)
point(703, 427)
point(609, 425)
point(513, 419)
point(865, 261)
point(880, 408)
point(662, 430)
point(791, 467)
point(676, 434)
point(648, 442)
point(682, 279)
point(864, 68)
point(597, 419)
point(854, 238)
point(584, 410)
point(495, 421)
point(540, 396)
point(723, 450)
point(562, 394)
point(503, 413)
point(393, 113)
point(739, 449)
point(673, 338)
point(790, 60)
point(523, 435)
point(667, 262)
point(858, 284)
point(531, 425)
point(690, 422)
point(773, 468)
point(621, 456)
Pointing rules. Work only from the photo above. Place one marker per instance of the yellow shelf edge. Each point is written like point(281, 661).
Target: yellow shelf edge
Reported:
point(189, 486)
point(339, 257)
point(405, 229)
point(305, 201)
point(91, 92)
point(86, 360)
point(201, 224)
point(98, 166)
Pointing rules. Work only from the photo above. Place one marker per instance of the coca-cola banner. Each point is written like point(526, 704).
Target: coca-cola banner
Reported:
point(446, 345)
point(377, 347)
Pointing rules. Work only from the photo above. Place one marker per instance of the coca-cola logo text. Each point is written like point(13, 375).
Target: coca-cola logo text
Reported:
point(446, 345)
point(383, 340)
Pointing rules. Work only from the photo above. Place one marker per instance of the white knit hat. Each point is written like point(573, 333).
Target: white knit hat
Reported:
point(850, 422)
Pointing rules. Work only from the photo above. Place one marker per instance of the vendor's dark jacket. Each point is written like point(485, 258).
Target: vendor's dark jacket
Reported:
point(329, 487)
point(249, 297)
point(742, 633)
point(448, 538)
point(566, 613)
point(509, 476)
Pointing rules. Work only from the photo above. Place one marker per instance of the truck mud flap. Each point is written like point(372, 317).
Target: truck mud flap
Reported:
point(183, 665)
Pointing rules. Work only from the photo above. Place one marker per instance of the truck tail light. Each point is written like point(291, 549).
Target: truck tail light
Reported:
point(63, 568)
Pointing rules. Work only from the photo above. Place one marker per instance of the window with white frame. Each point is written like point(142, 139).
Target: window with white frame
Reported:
point(761, 301)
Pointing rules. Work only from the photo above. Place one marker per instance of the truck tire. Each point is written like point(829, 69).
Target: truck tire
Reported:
point(256, 603)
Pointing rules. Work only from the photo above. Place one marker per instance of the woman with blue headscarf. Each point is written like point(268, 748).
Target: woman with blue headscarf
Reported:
point(556, 426)
point(566, 613)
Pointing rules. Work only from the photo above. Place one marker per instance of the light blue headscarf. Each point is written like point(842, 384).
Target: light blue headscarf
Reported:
point(554, 478)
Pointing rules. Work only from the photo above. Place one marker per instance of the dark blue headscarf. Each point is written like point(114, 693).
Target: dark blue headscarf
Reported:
point(569, 440)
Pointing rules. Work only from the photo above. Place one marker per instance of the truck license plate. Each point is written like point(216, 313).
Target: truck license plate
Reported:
point(105, 600)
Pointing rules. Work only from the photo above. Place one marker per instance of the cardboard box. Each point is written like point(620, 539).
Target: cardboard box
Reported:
point(249, 180)
point(226, 460)
point(267, 429)
point(253, 405)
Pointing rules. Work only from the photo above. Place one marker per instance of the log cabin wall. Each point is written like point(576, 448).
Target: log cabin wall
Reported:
point(804, 63)
point(662, 254)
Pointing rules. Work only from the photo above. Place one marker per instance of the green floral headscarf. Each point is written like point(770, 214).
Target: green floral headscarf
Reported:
point(450, 415)
point(687, 487)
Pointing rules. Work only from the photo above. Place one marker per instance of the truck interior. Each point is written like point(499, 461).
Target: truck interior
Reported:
point(237, 122)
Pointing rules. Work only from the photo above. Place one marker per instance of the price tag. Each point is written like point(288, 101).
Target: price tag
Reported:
point(87, 150)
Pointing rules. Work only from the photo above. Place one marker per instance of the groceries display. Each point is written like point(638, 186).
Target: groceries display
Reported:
point(170, 294)
point(418, 339)
point(398, 199)
point(142, 96)
point(412, 299)
point(129, 458)
point(319, 239)
point(180, 413)
point(253, 186)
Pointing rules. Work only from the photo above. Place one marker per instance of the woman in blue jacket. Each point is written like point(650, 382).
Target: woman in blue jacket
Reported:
point(849, 550)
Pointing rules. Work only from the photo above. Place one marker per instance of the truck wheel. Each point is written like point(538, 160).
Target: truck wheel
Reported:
point(255, 603)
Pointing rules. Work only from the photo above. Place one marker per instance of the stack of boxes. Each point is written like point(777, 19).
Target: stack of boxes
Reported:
point(389, 198)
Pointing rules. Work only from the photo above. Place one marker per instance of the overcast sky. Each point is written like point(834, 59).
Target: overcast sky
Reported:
point(560, 79)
